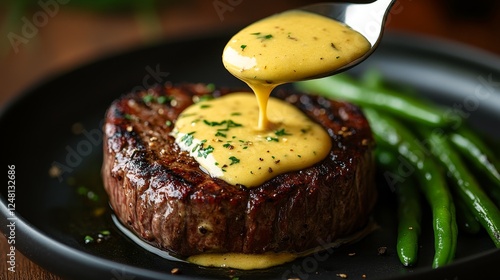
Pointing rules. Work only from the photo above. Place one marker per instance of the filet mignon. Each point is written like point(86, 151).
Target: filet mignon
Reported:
point(162, 195)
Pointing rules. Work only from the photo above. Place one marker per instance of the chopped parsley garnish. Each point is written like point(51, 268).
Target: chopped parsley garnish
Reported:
point(204, 152)
point(163, 99)
point(195, 148)
point(271, 139)
point(210, 87)
point(220, 134)
point(262, 37)
point(281, 132)
point(160, 99)
point(243, 47)
point(245, 144)
point(225, 124)
point(188, 138)
point(147, 98)
point(213, 123)
point(231, 124)
point(205, 97)
point(268, 36)
point(88, 239)
point(234, 160)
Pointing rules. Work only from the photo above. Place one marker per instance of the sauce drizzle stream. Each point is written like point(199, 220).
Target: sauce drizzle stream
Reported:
point(288, 47)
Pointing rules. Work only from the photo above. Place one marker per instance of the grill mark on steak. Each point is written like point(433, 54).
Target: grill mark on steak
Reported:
point(160, 193)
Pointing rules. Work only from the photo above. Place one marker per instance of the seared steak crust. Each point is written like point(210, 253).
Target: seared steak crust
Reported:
point(162, 195)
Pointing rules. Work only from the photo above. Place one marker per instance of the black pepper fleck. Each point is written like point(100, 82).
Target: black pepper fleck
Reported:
point(382, 250)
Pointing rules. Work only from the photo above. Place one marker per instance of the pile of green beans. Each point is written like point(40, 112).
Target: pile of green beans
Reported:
point(424, 154)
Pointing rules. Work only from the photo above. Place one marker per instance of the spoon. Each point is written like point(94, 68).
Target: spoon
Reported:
point(292, 54)
point(366, 18)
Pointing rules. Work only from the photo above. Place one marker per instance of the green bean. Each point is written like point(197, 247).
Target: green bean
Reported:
point(475, 150)
point(465, 218)
point(454, 232)
point(379, 103)
point(343, 87)
point(390, 132)
point(372, 78)
point(465, 184)
point(409, 214)
point(483, 158)
point(409, 211)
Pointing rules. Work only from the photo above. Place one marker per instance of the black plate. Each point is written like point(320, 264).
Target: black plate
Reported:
point(52, 214)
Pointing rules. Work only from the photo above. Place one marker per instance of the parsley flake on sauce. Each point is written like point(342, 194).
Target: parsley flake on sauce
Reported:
point(188, 138)
point(262, 37)
point(204, 152)
point(281, 132)
point(234, 160)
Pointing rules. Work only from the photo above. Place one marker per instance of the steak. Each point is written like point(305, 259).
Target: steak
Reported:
point(161, 194)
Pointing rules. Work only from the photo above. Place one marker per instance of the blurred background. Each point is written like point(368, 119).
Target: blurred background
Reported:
point(40, 39)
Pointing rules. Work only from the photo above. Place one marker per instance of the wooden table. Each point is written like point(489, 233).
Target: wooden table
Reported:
point(73, 36)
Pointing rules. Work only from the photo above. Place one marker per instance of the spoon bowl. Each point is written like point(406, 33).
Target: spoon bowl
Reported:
point(366, 18)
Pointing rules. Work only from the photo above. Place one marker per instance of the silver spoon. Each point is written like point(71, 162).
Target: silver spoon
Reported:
point(367, 19)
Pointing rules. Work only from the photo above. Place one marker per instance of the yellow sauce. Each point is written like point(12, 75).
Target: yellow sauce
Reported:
point(288, 47)
point(266, 260)
point(247, 139)
point(221, 134)
point(242, 261)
